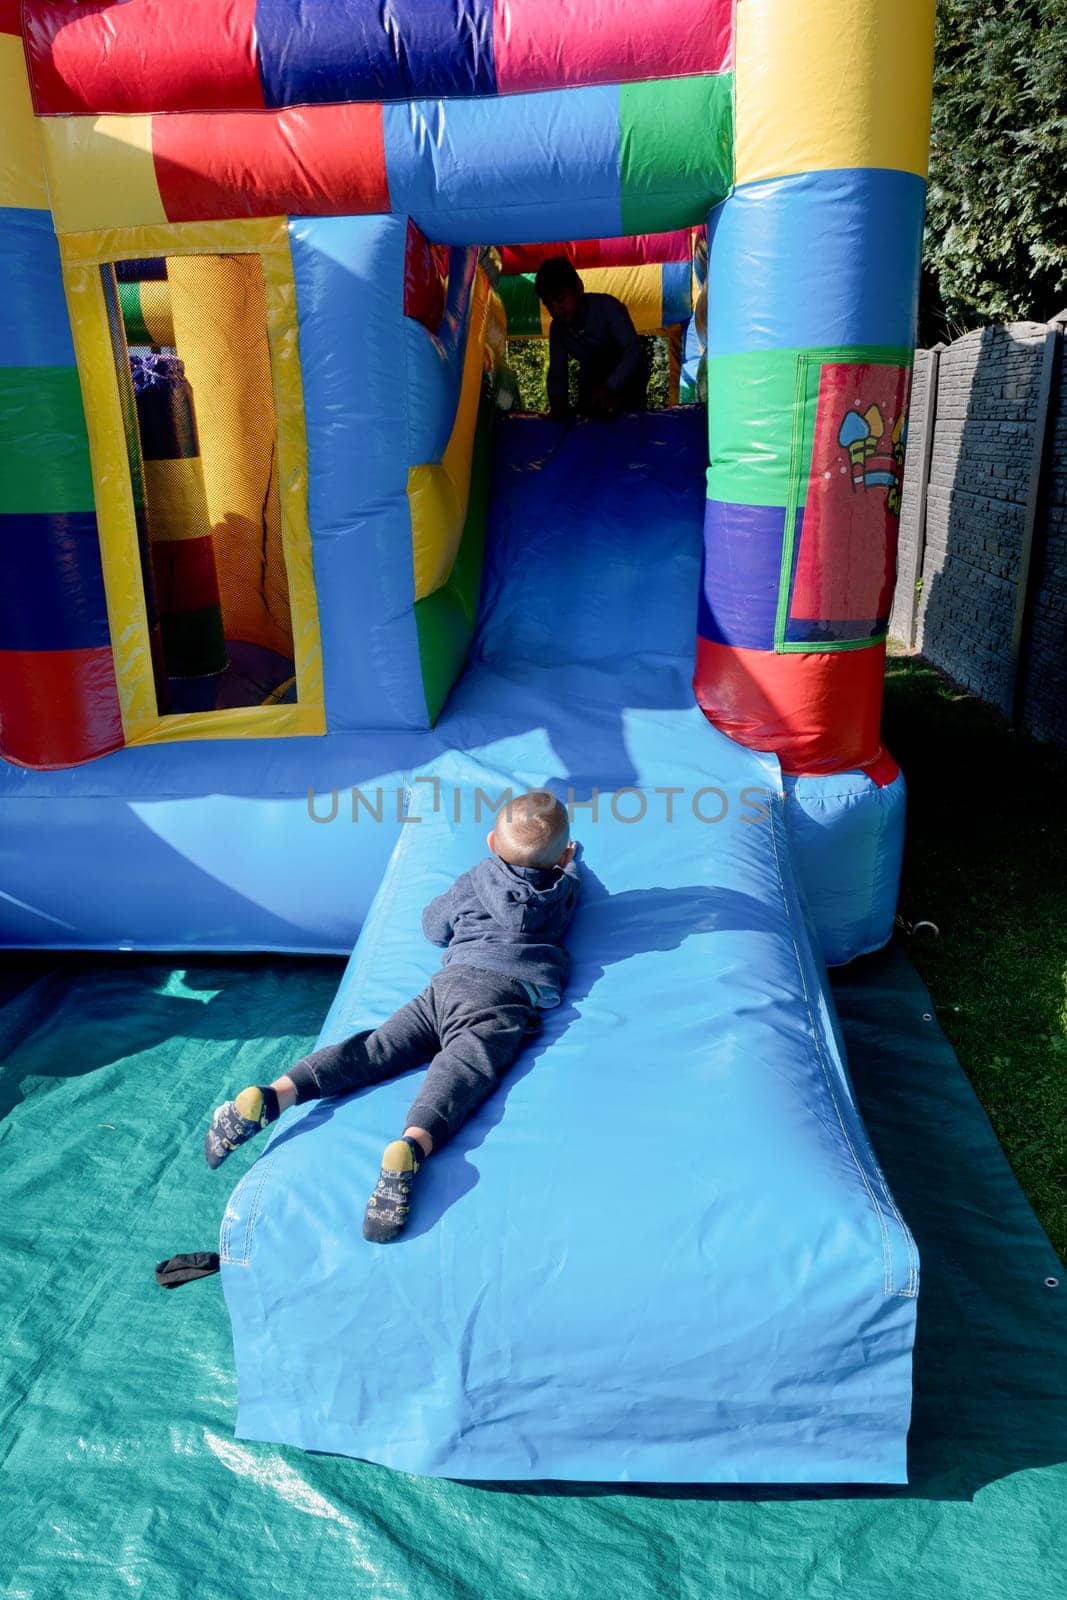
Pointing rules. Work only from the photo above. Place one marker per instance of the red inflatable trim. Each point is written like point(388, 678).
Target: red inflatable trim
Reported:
point(58, 707)
point(643, 249)
point(11, 16)
point(312, 161)
point(425, 279)
point(817, 712)
point(102, 57)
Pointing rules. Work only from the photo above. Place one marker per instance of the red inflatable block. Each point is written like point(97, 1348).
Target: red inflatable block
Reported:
point(425, 283)
point(106, 57)
point(819, 711)
point(309, 161)
point(535, 47)
point(58, 707)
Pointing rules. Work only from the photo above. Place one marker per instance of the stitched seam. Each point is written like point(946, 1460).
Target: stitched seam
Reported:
point(887, 1247)
point(254, 1180)
point(911, 1288)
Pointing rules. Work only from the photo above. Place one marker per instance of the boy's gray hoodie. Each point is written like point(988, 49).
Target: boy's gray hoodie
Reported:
point(507, 919)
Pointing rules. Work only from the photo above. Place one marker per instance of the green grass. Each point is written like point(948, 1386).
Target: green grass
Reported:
point(529, 360)
point(985, 858)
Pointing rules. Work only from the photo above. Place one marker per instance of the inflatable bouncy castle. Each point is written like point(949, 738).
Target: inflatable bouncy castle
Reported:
point(289, 602)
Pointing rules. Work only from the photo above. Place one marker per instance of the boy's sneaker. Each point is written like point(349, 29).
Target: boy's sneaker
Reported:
point(387, 1209)
point(235, 1123)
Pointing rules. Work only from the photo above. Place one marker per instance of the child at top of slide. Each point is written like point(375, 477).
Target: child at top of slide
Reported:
point(503, 923)
point(596, 330)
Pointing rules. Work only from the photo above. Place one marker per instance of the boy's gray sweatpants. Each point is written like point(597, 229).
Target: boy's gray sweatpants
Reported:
point(468, 1024)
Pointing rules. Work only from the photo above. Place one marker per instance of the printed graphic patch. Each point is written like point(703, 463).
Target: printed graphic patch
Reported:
point(845, 560)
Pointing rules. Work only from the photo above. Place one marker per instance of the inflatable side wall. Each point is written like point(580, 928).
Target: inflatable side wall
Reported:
point(59, 700)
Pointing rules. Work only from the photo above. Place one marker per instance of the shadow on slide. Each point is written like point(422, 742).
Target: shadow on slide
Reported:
point(613, 927)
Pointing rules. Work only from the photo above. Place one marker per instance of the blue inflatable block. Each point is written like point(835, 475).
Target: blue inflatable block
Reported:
point(815, 260)
point(491, 169)
point(846, 835)
point(348, 272)
point(677, 291)
point(34, 324)
point(340, 50)
point(738, 600)
point(434, 364)
point(51, 582)
point(664, 1251)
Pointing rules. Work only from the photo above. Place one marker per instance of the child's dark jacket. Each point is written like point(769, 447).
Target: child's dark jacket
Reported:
point(507, 919)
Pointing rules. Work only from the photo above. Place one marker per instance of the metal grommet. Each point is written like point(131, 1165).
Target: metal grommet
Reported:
point(928, 1016)
point(1052, 1283)
point(935, 930)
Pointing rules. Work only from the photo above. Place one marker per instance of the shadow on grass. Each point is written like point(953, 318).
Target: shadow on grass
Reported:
point(986, 843)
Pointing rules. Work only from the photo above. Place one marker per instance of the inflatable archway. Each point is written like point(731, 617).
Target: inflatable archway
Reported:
point(271, 619)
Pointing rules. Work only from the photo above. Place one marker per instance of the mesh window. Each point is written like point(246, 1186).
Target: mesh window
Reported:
point(191, 334)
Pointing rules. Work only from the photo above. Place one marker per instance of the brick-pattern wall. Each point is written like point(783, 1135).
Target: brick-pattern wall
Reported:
point(902, 617)
point(987, 400)
point(1045, 682)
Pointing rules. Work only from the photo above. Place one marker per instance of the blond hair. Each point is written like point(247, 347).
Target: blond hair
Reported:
point(532, 830)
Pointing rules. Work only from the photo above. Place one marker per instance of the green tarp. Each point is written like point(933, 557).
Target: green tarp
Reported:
point(120, 1473)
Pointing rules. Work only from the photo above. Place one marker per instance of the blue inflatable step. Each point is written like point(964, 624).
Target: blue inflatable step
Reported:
point(663, 1251)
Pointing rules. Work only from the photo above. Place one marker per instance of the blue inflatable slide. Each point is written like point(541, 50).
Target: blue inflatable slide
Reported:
point(665, 1250)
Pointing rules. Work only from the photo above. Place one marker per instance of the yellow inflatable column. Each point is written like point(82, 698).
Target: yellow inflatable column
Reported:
point(220, 331)
point(813, 267)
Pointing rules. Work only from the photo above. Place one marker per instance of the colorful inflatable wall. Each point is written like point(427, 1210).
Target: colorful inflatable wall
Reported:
point(283, 603)
point(265, 224)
